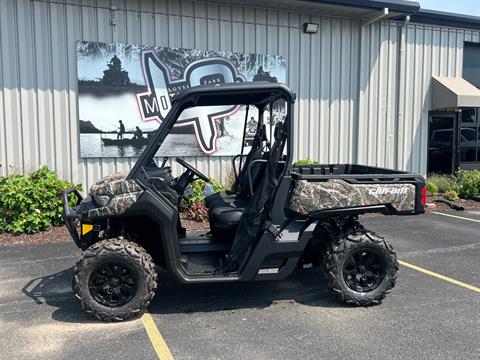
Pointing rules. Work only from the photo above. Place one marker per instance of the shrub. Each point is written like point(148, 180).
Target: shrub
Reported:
point(444, 182)
point(432, 188)
point(230, 180)
point(198, 192)
point(451, 195)
point(31, 203)
point(192, 205)
point(469, 183)
point(306, 162)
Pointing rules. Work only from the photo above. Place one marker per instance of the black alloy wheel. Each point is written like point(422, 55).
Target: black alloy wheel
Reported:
point(113, 283)
point(364, 270)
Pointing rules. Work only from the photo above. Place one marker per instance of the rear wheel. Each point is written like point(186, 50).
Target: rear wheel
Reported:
point(360, 267)
point(115, 280)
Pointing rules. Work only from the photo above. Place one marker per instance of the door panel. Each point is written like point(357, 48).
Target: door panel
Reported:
point(442, 143)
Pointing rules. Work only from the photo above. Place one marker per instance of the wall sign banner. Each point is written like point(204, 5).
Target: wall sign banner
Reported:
point(125, 92)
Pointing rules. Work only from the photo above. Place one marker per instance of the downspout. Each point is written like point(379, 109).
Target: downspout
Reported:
point(401, 94)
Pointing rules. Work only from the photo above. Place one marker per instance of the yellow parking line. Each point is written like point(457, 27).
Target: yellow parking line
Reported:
point(455, 216)
point(439, 276)
point(159, 344)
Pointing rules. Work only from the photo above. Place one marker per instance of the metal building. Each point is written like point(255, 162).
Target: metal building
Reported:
point(363, 80)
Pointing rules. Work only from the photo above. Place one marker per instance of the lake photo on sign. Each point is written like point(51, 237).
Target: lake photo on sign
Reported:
point(125, 92)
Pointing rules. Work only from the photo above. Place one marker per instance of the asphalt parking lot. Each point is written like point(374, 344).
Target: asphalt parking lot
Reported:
point(425, 317)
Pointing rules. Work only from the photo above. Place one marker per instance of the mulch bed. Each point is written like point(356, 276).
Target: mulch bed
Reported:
point(60, 234)
point(432, 205)
point(191, 225)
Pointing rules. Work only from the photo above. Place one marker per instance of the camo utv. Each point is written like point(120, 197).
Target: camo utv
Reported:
point(277, 217)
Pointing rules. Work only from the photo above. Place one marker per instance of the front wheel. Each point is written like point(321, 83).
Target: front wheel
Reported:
point(115, 280)
point(360, 267)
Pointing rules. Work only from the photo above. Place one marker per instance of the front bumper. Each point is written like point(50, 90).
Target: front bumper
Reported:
point(71, 215)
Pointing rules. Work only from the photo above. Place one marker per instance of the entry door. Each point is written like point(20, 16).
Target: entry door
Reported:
point(442, 142)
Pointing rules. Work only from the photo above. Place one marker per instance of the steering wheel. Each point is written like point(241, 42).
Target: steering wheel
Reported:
point(192, 169)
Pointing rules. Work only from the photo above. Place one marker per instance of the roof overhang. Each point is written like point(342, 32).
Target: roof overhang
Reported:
point(403, 6)
point(442, 18)
point(366, 11)
point(453, 92)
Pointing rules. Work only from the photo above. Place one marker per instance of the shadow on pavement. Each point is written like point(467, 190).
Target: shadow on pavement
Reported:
point(56, 291)
point(305, 287)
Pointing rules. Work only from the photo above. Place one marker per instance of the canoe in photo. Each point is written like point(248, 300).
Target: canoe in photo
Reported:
point(125, 142)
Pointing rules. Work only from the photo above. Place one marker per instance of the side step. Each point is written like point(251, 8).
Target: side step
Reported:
point(202, 244)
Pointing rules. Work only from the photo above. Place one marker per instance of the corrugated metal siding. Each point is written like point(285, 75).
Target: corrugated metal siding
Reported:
point(397, 64)
point(358, 100)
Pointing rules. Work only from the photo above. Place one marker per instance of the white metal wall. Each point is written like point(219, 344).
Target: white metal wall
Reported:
point(397, 64)
point(362, 95)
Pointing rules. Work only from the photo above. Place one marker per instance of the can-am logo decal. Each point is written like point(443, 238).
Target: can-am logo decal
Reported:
point(388, 190)
point(155, 104)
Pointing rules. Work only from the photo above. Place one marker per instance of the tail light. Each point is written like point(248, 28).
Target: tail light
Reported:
point(423, 199)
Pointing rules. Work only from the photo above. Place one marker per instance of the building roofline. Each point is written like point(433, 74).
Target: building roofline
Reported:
point(446, 19)
point(413, 9)
point(404, 6)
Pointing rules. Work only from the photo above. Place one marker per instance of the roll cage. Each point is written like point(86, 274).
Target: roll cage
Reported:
point(258, 94)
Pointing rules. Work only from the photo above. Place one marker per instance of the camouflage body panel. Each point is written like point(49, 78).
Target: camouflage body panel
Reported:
point(114, 194)
point(309, 197)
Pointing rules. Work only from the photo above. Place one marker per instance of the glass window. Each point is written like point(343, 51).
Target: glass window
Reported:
point(470, 127)
point(471, 63)
point(468, 134)
point(440, 145)
point(467, 153)
point(443, 135)
point(469, 115)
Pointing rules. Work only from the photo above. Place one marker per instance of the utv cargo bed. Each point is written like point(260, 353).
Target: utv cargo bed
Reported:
point(345, 189)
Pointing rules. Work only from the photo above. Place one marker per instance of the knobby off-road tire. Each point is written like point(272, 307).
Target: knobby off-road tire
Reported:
point(133, 260)
point(338, 253)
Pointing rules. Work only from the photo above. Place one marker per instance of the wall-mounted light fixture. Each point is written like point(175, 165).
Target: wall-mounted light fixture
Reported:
point(113, 18)
point(310, 28)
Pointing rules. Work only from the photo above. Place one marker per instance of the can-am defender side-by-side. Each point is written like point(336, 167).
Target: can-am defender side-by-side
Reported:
point(278, 217)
